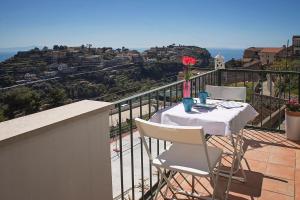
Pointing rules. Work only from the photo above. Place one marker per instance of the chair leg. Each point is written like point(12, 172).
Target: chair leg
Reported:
point(167, 186)
point(231, 169)
point(167, 179)
point(216, 180)
point(158, 187)
point(239, 153)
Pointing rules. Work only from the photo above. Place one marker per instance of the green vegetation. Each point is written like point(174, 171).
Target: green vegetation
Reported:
point(291, 64)
point(249, 88)
point(97, 82)
point(2, 118)
point(20, 101)
point(98, 86)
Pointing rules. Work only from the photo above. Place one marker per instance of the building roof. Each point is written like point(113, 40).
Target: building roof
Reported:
point(296, 36)
point(271, 50)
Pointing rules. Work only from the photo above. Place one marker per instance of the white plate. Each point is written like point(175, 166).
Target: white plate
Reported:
point(231, 104)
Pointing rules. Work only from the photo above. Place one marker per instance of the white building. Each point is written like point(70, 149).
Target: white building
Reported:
point(62, 67)
point(50, 74)
point(29, 76)
point(219, 62)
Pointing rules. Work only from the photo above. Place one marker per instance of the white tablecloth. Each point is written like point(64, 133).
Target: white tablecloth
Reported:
point(218, 121)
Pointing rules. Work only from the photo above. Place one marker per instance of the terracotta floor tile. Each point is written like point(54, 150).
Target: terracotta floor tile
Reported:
point(298, 154)
point(283, 151)
point(297, 163)
point(267, 195)
point(221, 142)
point(254, 155)
point(297, 190)
point(241, 190)
point(282, 160)
point(226, 160)
point(264, 148)
point(298, 159)
point(280, 171)
point(254, 165)
point(297, 175)
point(206, 187)
point(281, 186)
point(237, 196)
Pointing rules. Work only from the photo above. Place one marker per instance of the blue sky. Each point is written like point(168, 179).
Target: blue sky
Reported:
point(145, 23)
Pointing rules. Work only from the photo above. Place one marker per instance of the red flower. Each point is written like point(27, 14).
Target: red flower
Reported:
point(187, 60)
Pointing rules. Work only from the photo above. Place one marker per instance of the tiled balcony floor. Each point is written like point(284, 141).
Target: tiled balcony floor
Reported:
point(272, 166)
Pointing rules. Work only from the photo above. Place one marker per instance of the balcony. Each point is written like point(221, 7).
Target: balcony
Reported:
point(271, 162)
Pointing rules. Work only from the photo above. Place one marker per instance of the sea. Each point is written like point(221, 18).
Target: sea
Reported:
point(6, 55)
point(227, 53)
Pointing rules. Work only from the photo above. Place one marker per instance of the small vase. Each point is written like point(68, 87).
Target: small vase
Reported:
point(186, 89)
point(292, 125)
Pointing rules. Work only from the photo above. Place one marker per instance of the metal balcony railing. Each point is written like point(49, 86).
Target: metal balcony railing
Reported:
point(133, 176)
point(267, 92)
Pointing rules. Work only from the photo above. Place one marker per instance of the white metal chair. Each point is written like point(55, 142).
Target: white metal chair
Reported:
point(227, 93)
point(188, 153)
point(236, 94)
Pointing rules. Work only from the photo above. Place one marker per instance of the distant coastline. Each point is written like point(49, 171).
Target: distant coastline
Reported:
point(6, 55)
point(227, 53)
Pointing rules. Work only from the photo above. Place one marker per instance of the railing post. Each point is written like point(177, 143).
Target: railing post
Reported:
point(219, 74)
point(298, 87)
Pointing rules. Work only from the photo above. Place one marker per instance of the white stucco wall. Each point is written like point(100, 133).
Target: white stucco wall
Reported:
point(59, 154)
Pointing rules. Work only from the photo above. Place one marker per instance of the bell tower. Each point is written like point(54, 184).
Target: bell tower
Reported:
point(219, 62)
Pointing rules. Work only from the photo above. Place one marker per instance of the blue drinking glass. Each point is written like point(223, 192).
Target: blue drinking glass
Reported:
point(203, 96)
point(188, 104)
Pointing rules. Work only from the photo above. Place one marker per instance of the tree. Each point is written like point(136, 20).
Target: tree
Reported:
point(124, 49)
point(21, 101)
point(56, 47)
point(45, 48)
point(61, 47)
point(2, 118)
point(36, 49)
point(6, 81)
point(89, 46)
point(57, 97)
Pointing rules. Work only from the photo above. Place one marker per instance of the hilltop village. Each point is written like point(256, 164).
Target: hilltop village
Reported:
point(39, 64)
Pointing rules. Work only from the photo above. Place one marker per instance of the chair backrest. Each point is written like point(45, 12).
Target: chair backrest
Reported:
point(176, 134)
point(193, 135)
point(227, 93)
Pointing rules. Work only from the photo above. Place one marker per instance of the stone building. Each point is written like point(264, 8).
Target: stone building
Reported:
point(296, 44)
point(269, 55)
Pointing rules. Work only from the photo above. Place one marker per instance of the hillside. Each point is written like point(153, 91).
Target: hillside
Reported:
point(49, 78)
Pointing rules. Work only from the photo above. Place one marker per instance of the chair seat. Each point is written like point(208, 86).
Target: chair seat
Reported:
point(188, 159)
